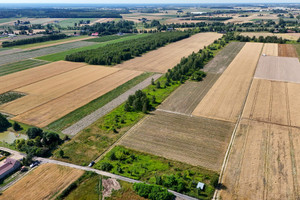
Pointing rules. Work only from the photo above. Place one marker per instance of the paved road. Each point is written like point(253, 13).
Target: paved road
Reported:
point(103, 173)
point(91, 118)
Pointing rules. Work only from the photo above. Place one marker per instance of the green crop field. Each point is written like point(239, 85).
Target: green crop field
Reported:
point(70, 22)
point(107, 38)
point(62, 55)
point(19, 66)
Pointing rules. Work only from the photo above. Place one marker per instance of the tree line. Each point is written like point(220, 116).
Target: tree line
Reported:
point(109, 28)
point(34, 40)
point(116, 53)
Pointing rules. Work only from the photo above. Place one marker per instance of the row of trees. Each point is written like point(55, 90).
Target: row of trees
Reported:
point(116, 53)
point(34, 40)
point(138, 102)
point(153, 192)
point(267, 39)
point(109, 28)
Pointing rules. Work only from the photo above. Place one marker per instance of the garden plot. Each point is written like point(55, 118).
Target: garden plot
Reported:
point(278, 69)
point(166, 57)
point(273, 102)
point(187, 97)
point(225, 99)
point(46, 113)
point(270, 49)
point(264, 163)
point(29, 76)
point(44, 182)
point(196, 141)
point(287, 50)
point(51, 88)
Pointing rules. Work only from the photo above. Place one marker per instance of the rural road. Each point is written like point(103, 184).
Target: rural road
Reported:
point(179, 196)
point(91, 118)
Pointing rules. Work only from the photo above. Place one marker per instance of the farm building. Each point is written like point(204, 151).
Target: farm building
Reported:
point(10, 165)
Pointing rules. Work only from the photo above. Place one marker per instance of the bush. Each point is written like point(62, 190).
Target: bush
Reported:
point(4, 123)
point(153, 192)
point(17, 126)
point(106, 166)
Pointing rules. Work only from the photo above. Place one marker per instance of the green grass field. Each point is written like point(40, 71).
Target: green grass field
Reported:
point(4, 20)
point(19, 66)
point(26, 46)
point(70, 22)
point(83, 111)
point(107, 38)
point(62, 55)
point(90, 143)
point(177, 176)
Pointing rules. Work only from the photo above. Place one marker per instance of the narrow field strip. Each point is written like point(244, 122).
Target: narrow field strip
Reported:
point(29, 76)
point(43, 115)
point(270, 49)
point(51, 88)
point(225, 99)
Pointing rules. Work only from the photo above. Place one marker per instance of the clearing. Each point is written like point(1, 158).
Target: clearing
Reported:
point(167, 57)
point(263, 163)
point(225, 99)
point(222, 60)
point(193, 140)
point(187, 96)
point(270, 49)
point(273, 102)
point(287, 50)
point(45, 182)
point(46, 113)
point(278, 69)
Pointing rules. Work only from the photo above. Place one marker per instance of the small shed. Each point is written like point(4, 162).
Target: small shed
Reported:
point(200, 186)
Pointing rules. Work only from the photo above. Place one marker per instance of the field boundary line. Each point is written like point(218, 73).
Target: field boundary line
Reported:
point(226, 158)
point(173, 112)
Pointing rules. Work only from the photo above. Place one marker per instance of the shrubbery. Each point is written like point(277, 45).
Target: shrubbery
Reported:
point(153, 192)
point(138, 102)
point(4, 123)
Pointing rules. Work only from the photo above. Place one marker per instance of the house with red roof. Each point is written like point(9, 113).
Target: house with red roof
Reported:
point(10, 165)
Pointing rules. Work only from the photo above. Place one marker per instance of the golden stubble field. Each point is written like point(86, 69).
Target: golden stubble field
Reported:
point(44, 182)
point(168, 56)
point(270, 49)
point(225, 99)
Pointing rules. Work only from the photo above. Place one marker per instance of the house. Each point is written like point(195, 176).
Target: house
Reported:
point(200, 186)
point(10, 165)
point(95, 34)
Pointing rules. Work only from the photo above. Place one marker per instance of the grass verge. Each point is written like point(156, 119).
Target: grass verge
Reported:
point(108, 38)
point(62, 55)
point(83, 111)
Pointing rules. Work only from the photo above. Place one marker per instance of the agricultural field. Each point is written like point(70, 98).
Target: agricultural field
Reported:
point(71, 21)
point(107, 38)
point(193, 140)
point(264, 163)
point(223, 59)
point(278, 69)
point(49, 112)
point(273, 102)
point(20, 66)
point(288, 36)
point(287, 50)
point(187, 97)
point(5, 51)
point(5, 59)
point(44, 182)
point(225, 99)
point(9, 96)
point(166, 57)
point(270, 49)
point(102, 20)
point(45, 21)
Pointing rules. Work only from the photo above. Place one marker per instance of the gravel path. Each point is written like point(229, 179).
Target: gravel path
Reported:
point(91, 118)
point(5, 59)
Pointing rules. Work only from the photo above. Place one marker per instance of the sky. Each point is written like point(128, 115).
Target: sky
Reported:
point(147, 1)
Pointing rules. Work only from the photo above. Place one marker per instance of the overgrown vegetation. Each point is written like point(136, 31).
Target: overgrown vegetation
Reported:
point(173, 175)
point(153, 192)
point(4, 123)
point(10, 96)
point(122, 51)
point(34, 40)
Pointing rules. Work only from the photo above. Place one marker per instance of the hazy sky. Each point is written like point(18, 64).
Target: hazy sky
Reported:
point(148, 1)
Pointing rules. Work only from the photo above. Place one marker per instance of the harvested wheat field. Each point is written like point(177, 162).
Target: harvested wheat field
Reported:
point(166, 57)
point(48, 89)
point(278, 69)
point(270, 49)
point(43, 115)
point(287, 50)
point(273, 102)
point(225, 99)
point(29, 76)
point(187, 96)
point(196, 141)
point(264, 163)
point(223, 59)
point(44, 182)
point(288, 36)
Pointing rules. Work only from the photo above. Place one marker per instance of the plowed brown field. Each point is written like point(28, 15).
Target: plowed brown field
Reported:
point(29, 76)
point(194, 140)
point(287, 50)
point(45, 182)
point(167, 57)
point(264, 163)
point(270, 49)
point(225, 99)
point(57, 108)
point(46, 90)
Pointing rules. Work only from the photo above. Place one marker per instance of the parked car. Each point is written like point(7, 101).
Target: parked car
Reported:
point(91, 164)
point(24, 169)
point(35, 163)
